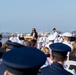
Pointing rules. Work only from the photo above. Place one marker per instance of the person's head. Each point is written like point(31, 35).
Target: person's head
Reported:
point(0, 36)
point(59, 52)
point(12, 45)
point(23, 61)
point(58, 58)
point(54, 30)
point(34, 30)
point(12, 35)
point(45, 50)
point(66, 36)
point(5, 45)
point(20, 35)
point(27, 43)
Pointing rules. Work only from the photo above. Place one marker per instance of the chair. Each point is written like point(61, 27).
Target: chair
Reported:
point(68, 64)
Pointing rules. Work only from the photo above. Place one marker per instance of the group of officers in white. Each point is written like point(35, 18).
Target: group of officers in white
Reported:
point(54, 37)
point(14, 38)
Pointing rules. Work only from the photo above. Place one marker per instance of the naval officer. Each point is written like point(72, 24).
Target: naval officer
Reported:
point(66, 39)
point(23, 61)
point(59, 55)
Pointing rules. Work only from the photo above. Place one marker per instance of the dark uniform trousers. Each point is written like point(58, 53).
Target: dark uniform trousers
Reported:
point(54, 69)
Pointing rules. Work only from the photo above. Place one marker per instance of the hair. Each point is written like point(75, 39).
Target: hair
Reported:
point(26, 43)
point(34, 30)
point(45, 50)
point(54, 29)
point(74, 49)
point(58, 58)
point(0, 35)
point(4, 46)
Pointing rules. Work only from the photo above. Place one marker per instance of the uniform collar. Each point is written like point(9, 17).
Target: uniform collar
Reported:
point(57, 64)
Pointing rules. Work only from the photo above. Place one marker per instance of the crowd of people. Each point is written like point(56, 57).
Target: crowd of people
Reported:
point(38, 54)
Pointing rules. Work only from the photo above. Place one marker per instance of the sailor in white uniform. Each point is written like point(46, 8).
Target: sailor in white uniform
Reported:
point(13, 38)
point(66, 40)
point(54, 33)
point(41, 41)
point(50, 40)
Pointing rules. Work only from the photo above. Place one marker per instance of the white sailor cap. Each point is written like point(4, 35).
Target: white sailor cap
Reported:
point(67, 34)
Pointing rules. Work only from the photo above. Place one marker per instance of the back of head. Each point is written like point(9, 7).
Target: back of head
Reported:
point(59, 51)
point(11, 45)
point(27, 43)
point(5, 45)
point(45, 50)
point(0, 36)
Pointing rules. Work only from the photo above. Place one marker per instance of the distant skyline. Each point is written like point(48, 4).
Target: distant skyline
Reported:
point(23, 15)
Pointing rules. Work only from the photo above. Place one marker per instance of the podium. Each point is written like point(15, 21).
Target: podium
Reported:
point(29, 38)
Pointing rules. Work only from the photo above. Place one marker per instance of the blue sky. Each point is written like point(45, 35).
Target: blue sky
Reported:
point(23, 15)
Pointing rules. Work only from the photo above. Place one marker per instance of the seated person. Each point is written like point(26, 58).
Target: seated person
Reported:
point(47, 53)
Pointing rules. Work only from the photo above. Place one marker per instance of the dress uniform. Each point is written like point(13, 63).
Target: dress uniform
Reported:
point(67, 41)
point(56, 68)
point(50, 39)
point(23, 61)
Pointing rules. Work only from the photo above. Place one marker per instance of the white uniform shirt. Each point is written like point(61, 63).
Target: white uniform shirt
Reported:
point(13, 39)
point(55, 35)
point(69, 44)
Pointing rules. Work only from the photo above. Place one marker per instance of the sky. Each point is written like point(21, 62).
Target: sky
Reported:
point(23, 15)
